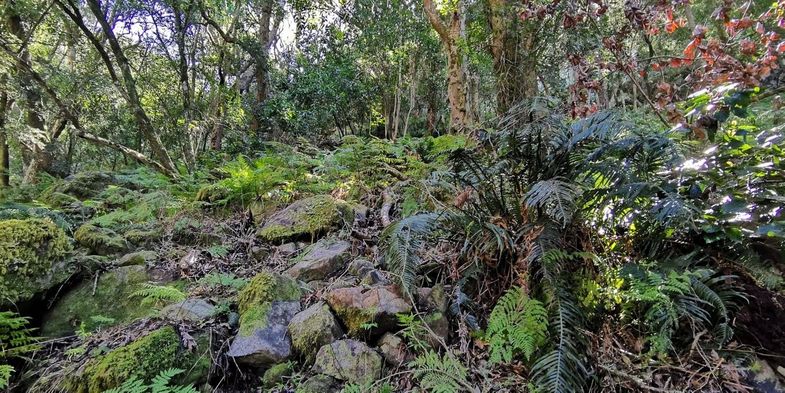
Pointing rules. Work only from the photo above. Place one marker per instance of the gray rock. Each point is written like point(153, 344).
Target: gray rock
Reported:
point(313, 328)
point(432, 299)
point(764, 379)
point(190, 310)
point(262, 340)
point(393, 349)
point(349, 360)
point(320, 260)
point(306, 217)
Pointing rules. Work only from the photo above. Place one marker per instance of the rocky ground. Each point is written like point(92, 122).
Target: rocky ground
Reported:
point(293, 299)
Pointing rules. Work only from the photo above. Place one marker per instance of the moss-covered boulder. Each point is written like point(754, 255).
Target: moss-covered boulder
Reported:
point(359, 307)
point(82, 185)
point(306, 217)
point(110, 298)
point(32, 258)
point(262, 340)
point(102, 241)
point(313, 328)
point(276, 374)
point(320, 260)
point(349, 360)
point(267, 287)
point(143, 358)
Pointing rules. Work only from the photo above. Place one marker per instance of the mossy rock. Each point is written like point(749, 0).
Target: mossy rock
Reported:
point(59, 200)
point(32, 258)
point(276, 374)
point(143, 358)
point(111, 299)
point(143, 235)
point(102, 241)
point(306, 217)
point(21, 211)
point(267, 287)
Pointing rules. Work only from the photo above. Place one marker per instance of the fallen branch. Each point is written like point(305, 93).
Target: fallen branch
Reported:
point(387, 202)
point(127, 151)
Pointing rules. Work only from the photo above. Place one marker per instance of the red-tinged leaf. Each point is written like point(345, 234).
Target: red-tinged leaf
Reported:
point(675, 63)
point(747, 47)
point(691, 48)
point(656, 66)
point(744, 23)
point(671, 27)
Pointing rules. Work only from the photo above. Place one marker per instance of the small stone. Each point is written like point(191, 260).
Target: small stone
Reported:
point(313, 328)
point(320, 383)
point(137, 258)
point(393, 349)
point(320, 260)
point(360, 266)
point(276, 374)
point(262, 340)
point(375, 277)
point(432, 299)
point(190, 310)
point(288, 248)
point(360, 308)
point(349, 360)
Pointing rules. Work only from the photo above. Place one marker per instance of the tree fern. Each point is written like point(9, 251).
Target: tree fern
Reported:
point(556, 197)
point(399, 244)
point(151, 293)
point(517, 325)
point(440, 374)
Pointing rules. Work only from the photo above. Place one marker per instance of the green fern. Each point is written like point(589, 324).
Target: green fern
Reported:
point(152, 294)
point(400, 242)
point(5, 375)
point(16, 339)
point(161, 383)
point(517, 325)
point(556, 197)
point(440, 374)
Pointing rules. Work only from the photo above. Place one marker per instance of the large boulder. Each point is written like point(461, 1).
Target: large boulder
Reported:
point(109, 297)
point(143, 358)
point(306, 217)
point(349, 360)
point(313, 328)
point(368, 310)
point(32, 258)
point(102, 241)
point(321, 260)
point(262, 340)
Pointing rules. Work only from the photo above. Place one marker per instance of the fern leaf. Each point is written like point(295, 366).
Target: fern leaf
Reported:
point(399, 244)
point(556, 196)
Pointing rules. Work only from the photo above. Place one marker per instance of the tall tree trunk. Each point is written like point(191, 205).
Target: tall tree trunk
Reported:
point(182, 22)
point(132, 96)
point(261, 71)
point(514, 57)
point(451, 36)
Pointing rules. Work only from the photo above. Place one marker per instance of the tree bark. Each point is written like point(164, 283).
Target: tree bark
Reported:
point(261, 70)
point(182, 23)
point(450, 37)
point(514, 57)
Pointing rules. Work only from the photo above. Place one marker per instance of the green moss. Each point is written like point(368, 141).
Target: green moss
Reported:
point(305, 217)
point(143, 358)
point(29, 252)
point(276, 374)
point(102, 241)
point(356, 320)
point(254, 318)
point(266, 287)
point(59, 200)
point(110, 297)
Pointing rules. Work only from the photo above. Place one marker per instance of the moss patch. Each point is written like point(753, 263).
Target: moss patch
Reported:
point(30, 254)
point(266, 287)
point(143, 358)
point(102, 241)
point(111, 299)
point(254, 318)
point(305, 217)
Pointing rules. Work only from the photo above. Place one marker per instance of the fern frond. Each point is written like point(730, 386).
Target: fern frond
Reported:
point(556, 197)
point(517, 324)
point(440, 374)
point(562, 370)
point(5, 375)
point(399, 244)
point(151, 293)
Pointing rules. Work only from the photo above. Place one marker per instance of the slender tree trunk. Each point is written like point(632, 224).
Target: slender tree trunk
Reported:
point(451, 36)
point(5, 160)
point(514, 57)
point(140, 116)
point(182, 22)
point(262, 63)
